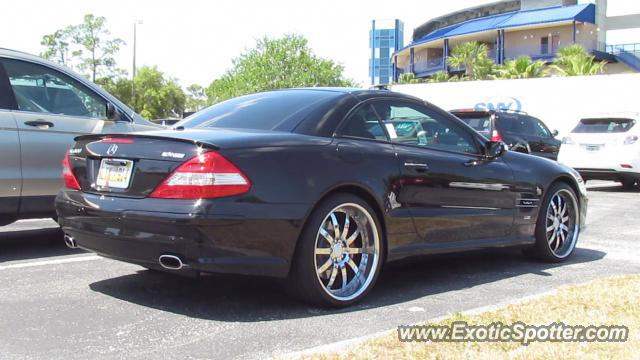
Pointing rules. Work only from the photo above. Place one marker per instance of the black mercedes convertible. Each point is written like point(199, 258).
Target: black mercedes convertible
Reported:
point(320, 186)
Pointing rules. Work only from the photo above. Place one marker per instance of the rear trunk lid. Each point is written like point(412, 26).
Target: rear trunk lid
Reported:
point(133, 165)
point(128, 166)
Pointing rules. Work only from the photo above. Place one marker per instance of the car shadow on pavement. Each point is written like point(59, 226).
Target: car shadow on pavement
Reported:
point(33, 244)
point(248, 299)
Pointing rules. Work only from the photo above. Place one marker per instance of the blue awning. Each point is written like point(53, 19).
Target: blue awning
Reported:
point(580, 12)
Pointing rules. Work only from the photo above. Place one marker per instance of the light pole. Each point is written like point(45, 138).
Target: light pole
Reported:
point(133, 77)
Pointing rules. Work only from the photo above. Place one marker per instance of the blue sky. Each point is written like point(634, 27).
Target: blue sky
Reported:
point(195, 40)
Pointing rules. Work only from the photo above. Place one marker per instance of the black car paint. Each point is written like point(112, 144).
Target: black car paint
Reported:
point(256, 233)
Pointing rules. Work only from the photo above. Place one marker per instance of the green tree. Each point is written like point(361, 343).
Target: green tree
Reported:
point(474, 57)
point(56, 47)
point(196, 98)
point(574, 60)
point(157, 96)
point(120, 87)
point(87, 46)
point(96, 49)
point(274, 64)
point(521, 68)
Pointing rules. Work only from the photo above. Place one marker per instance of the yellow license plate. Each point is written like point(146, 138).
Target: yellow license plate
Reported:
point(114, 173)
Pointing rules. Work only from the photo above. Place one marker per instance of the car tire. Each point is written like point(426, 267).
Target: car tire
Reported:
point(558, 226)
point(330, 273)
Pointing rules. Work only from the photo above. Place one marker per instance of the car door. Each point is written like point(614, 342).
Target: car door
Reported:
point(454, 195)
point(10, 176)
point(52, 109)
point(546, 144)
point(515, 130)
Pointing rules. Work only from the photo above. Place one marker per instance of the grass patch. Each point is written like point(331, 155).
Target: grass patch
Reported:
point(609, 301)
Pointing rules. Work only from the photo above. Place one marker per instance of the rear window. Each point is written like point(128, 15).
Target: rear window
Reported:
point(604, 125)
point(276, 110)
point(518, 124)
point(481, 124)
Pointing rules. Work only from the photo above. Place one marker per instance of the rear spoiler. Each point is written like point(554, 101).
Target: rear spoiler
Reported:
point(96, 137)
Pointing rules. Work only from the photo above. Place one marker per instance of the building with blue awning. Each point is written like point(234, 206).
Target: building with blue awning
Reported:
point(510, 29)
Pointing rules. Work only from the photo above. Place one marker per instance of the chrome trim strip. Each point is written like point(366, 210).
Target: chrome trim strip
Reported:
point(479, 186)
point(416, 164)
point(469, 207)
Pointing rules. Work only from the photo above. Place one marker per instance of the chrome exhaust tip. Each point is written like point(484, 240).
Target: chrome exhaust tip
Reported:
point(171, 262)
point(70, 242)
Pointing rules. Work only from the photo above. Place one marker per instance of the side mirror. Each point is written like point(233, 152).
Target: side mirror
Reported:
point(112, 112)
point(494, 149)
point(554, 133)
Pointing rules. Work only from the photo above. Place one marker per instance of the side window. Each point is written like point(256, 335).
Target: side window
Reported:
point(541, 129)
point(413, 124)
point(41, 89)
point(523, 125)
point(364, 123)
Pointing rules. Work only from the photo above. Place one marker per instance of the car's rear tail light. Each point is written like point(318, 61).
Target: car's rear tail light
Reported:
point(70, 180)
point(631, 139)
point(495, 136)
point(567, 140)
point(117, 140)
point(626, 166)
point(208, 175)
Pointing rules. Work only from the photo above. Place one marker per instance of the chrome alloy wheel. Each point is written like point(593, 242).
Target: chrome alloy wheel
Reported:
point(562, 223)
point(347, 251)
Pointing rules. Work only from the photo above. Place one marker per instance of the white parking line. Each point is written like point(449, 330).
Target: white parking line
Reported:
point(51, 262)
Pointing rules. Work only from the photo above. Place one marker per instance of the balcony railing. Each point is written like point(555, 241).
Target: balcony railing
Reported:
point(433, 64)
point(436, 64)
point(620, 48)
point(534, 52)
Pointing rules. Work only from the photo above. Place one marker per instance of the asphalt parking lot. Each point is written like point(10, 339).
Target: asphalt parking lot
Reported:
point(57, 303)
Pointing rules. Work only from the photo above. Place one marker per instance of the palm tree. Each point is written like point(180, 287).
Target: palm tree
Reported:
point(408, 78)
point(521, 68)
point(474, 57)
point(575, 61)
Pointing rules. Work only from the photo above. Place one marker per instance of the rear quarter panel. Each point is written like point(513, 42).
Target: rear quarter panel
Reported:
point(304, 175)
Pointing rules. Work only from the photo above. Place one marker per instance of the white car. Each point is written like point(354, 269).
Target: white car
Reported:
point(605, 148)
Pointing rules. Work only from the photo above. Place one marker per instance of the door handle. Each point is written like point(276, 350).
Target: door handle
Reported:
point(420, 167)
point(473, 162)
point(39, 123)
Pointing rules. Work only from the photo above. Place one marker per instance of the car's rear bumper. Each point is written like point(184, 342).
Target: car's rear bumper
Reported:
point(615, 163)
point(246, 238)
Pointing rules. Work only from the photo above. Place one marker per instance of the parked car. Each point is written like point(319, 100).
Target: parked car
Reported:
point(520, 131)
point(318, 185)
point(605, 147)
point(43, 106)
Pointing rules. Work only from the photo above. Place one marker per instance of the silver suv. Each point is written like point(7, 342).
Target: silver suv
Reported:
point(43, 107)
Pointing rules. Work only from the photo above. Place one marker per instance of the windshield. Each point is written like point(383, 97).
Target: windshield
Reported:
point(604, 125)
point(276, 110)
